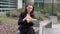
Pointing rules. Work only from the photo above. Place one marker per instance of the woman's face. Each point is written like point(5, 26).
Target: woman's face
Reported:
point(29, 8)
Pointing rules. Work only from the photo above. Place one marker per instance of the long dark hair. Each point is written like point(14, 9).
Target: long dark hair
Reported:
point(32, 12)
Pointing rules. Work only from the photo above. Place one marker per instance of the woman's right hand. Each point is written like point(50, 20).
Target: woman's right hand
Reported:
point(24, 18)
point(27, 17)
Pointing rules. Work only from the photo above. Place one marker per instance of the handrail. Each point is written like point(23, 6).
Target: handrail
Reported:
point(43, 24)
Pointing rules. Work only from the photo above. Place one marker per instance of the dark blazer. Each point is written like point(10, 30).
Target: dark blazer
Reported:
point(24, 23)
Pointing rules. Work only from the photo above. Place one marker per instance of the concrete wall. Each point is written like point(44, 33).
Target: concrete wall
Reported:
point(19, 4)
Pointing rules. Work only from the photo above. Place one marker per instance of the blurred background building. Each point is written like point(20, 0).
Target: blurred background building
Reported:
point(8, 5)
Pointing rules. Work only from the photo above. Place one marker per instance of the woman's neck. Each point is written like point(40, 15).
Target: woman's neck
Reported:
point(28, 13)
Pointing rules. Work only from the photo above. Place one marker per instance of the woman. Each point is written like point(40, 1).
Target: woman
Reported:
point(26, 20)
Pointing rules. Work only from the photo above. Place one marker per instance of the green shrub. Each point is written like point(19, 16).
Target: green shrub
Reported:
point(36, 8)
point(0, 21)
point(44, 11)
point(7, 14)
point(14, 13)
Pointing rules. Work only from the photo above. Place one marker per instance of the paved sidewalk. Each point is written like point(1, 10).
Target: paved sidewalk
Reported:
point(54, 30)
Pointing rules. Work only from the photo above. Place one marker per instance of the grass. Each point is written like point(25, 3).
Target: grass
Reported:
point(58, 21)
point(8, 20)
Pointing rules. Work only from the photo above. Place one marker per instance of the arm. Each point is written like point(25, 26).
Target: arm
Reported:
point(20, 21)
point(33, 18)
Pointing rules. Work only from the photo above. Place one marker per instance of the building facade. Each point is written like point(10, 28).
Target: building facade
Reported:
point(39, 3)
point(7, 5)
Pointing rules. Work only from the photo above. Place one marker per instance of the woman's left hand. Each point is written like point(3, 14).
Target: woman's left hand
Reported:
point(31, 19)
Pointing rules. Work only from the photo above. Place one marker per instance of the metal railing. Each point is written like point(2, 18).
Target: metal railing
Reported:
point(44, 24)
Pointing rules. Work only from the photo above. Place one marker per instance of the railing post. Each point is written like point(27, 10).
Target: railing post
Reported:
point(43, 25)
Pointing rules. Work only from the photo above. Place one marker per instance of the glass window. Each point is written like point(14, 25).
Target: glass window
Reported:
point(38, 0)
point(58, 0)
point(3, 6)
point(7, 7)
point(4, 3)
point(0, 10)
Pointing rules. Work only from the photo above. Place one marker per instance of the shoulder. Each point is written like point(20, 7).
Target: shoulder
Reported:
point(22, 14)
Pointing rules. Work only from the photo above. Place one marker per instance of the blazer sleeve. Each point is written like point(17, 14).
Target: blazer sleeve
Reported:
point(20, 20)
